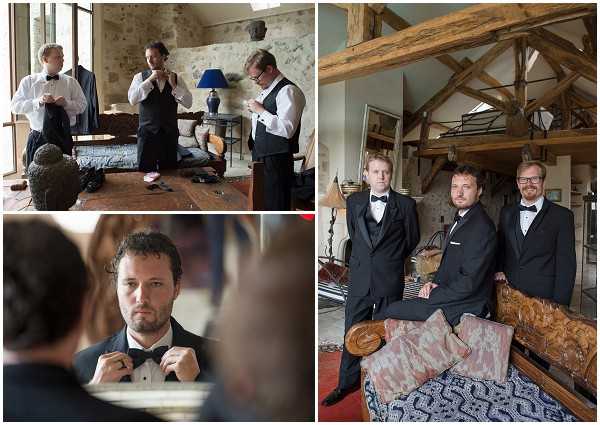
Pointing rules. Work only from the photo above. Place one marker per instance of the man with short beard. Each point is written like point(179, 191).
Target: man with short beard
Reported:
point(152, 347)
point(537, 241)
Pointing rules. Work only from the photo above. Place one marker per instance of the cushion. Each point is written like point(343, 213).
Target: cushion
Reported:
point(186, 127)
point(188, 142)
point(394, 328)
point(201, 132)
point(408, 361)
point(490, 348)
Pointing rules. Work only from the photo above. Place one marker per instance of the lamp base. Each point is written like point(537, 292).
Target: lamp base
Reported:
point(213, 101)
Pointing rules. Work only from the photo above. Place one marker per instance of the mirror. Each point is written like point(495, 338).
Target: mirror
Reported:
point(382, 133)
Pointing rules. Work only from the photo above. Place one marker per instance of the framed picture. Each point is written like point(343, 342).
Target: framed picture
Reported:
point(554, 195)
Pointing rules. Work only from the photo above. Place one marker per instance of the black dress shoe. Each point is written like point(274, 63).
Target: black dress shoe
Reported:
point(336, 396)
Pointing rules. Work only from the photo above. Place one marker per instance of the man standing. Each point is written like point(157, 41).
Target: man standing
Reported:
point(44, 94)
point(158, 91)
point(45, 311)
point(152, 347)
point(276, 115)
point(537, 241)
point(463, 281)
point(384, 229)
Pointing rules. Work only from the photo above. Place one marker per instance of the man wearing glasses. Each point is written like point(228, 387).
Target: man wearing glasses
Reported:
point(536, 241)
point(276, 115)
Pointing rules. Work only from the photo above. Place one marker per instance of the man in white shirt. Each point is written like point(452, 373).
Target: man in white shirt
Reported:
point(158, 92)
point(45, 88)
point(276, 117)
point(153, 347)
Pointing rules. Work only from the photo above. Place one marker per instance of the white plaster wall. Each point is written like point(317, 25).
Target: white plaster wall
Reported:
point(559, 177)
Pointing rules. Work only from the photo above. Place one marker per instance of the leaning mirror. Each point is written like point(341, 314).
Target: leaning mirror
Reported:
point(382, 133)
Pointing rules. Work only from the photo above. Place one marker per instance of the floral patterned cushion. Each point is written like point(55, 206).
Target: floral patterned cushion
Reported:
point(408, 361)
point(394, 328)
point(490, 348)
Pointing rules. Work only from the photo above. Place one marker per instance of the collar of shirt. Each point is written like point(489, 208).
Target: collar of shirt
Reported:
point(263, 94)
point(464, 212)
point(167, 339)
point(539, 202)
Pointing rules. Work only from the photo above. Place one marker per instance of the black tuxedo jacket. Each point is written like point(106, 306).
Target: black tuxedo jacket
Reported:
point(86, 360)
point(546, 265)
point(40, 392)
point(379, 266)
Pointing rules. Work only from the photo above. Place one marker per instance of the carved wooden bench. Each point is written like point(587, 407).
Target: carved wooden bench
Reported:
point(120, 129)
point(564, 339)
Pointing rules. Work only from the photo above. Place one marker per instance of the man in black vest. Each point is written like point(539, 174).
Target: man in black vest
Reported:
point(463, 281)
point(158, 91)
point(276, 116)
point(537, 241)
point(153, 347)
point(384, 229)
point(45, 310)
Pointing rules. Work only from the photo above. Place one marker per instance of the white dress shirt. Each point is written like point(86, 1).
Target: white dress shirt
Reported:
point(378, 207)
point(149, 372)
point(33, 87)
point(456, 222)
point(290, 104)
point(527, 217)
point(140, 89)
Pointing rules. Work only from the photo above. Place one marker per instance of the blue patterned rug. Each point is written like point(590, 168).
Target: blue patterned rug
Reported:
point(452, 398)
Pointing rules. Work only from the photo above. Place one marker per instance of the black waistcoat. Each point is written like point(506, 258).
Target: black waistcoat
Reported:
point(373, 226)
point(266, 144)
point(159, 109)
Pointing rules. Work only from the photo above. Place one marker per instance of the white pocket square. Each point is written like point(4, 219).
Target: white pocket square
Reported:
point(454, 243)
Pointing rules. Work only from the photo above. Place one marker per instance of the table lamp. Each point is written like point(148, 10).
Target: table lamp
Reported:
point(213, 79)
point(333, 199)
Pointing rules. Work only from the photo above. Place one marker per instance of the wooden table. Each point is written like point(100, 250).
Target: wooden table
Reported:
point(128, 192)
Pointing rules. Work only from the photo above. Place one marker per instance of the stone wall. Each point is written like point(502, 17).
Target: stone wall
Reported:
point(292, 24)
point(127, 28)
point(295, 58)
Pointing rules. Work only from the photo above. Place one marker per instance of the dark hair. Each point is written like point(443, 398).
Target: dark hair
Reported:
point(145, 243)
point(472, 171)
point(260, 58)
point(158, 45)
point(45, 283)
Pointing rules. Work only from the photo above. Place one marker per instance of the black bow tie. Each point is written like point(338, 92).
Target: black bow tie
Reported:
point(457, 217)
point(532, 208)
point(54, 77)
point(140, 356)
point(383, 198)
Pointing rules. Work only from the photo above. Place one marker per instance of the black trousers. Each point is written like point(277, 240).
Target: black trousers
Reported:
point(279, 170)
point(156, 151)
point(359, 309)
point(34, 141)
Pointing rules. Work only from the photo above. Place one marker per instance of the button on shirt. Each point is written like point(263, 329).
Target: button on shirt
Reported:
point(31, 89)
point(290, 104)
point(149, 371)
point(527, 217)
point(378, 207)
point(140, 89)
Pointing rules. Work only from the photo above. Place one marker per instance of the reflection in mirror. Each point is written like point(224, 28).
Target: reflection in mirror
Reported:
point(382, 134)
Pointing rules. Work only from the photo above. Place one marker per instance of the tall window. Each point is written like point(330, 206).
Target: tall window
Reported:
point(8, 162)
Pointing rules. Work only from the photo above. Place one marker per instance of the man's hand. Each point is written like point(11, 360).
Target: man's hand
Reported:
point(182, 361)
point(47, 99)
point(172, 79)
point(426, 289)
point(256, 107)
point(60, 101)
point(500, 276)
point(112, 367)
point(158, 74)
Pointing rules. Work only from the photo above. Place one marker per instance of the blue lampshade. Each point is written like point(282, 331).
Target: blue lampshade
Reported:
point(212, 79)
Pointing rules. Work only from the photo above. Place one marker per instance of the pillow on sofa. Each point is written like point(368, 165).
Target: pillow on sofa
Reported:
point(186, 127)
point(490, 348)
point(408, 361)
point(202, 131)
point(394, 328)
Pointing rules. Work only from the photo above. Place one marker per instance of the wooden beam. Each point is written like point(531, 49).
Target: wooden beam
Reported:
point(529, 152)
point(548, 97)
point(425, 127)
point(590, 26)
point(360, 24)
point(491, 81)
point(393, 20)
point(565, 106)
point(473, 26)
point(377, 25)
point(456, 80)
point(378, 8)
point(438, 164)
point(548, 157)
point(573, 59)
point(439, 126)
point(520, 49)
point(483, 97)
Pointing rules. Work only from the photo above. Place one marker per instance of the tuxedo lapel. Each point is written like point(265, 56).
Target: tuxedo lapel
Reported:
point(360, 211)
point(514, 225)
point(388, 216)
point(460, 224)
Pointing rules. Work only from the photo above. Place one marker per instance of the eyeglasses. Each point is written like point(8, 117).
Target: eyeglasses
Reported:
point(534, 179)
point(255, 79)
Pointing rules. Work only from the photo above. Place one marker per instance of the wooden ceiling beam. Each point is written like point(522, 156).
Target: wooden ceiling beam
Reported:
point(486, 78)
point(483, 97)
point(547, 98)
point(472, 26)
point(520, 50)
point(360, 24)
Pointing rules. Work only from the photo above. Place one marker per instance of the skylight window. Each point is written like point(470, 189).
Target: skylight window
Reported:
point(256, 6)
